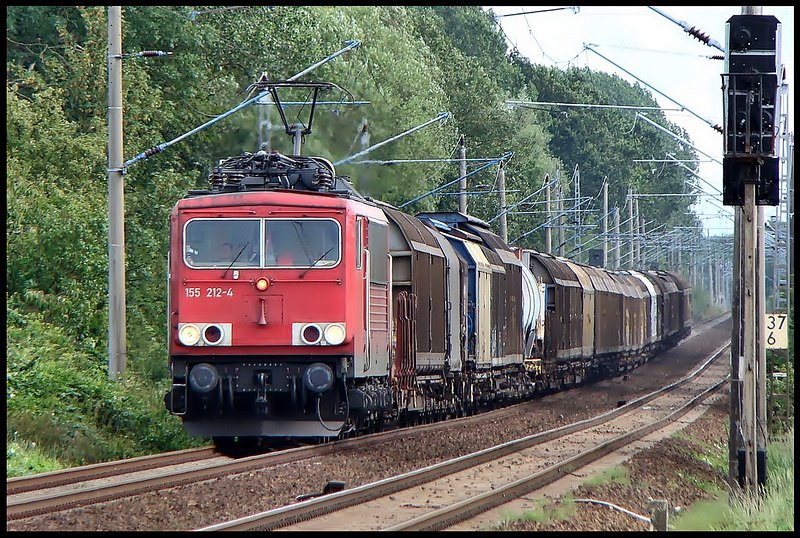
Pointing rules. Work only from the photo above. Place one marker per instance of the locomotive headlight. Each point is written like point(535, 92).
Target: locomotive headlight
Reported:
point(262, 284)
point(203, 378)
point(318, 377)
point(335, 334)
point(213, 335)
point(311, 334)
point(188, 334)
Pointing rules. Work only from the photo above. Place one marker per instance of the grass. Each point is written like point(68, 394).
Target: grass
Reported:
point(709, 487)
point(698, 516)
point(23, 458)
point(541, 514)
point(546, 513)
point(715, 455)
point(712, 453)
point(774, 510)
point(537, 514)
point(63, 411)
point(616, 474)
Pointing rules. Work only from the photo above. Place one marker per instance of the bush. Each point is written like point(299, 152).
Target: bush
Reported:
point(61, 401)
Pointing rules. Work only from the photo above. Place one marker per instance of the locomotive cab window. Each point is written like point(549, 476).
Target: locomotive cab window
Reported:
point(378, 249)
point(222, 243)
point(254, 243)
point(302, 243)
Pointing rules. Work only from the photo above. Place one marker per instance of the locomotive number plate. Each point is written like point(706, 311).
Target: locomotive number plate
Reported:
point(211, 292)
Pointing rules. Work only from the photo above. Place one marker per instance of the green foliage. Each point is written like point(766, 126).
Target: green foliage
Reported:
point(479, 83)
point(476, 35)
point(55, 233)
point(543, 513)
point(602, 143)
point(26, 458)
point(702, 307)
point(782, 400)
point(414, 63)
point(60, 401)
point(774, 510)
point(33, 32)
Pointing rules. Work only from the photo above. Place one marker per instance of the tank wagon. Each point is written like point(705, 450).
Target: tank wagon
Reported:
point(298, 308)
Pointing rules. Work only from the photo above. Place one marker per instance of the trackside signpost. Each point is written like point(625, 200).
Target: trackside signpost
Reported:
point(777, 331)
point(749, 180)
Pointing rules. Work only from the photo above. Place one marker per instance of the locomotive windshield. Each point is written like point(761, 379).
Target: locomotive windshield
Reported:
point(254, 243)
point(218, 242)
point(302, 243)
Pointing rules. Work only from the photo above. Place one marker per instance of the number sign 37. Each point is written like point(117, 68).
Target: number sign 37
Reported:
point(777, 331)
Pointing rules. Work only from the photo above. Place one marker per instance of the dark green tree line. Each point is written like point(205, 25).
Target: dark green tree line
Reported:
point(414, 62)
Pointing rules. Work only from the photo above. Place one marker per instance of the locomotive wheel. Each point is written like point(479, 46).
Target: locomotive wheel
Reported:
point(224, 443)
point(247, 442)
point(239, 443)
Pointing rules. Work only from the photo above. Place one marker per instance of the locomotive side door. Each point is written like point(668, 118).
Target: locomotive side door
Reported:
point(377, 300)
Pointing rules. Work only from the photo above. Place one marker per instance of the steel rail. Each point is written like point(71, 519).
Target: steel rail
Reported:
point(313, 508)
point(62, 477)
point(468, 508)
point(61, 500)
point(55, 501)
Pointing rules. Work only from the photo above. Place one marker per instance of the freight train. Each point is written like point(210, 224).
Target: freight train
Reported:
point(300, 309)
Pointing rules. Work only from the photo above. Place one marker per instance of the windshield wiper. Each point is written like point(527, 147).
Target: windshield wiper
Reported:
point(315, 261)
point(234, 260)
point(301, 236)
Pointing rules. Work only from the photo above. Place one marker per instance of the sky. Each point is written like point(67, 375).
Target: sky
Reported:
point(664, 58)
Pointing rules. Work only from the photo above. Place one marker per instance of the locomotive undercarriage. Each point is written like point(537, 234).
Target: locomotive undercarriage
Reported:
point(273, 398)
point(270, 397)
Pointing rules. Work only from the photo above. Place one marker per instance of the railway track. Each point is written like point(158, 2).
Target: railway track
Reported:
point(80, 486)
point(427, 499)
point(61, 490)
point(97, 471)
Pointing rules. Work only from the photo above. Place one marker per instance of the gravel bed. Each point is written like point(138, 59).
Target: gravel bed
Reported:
point(212, 501)
point(668, 470)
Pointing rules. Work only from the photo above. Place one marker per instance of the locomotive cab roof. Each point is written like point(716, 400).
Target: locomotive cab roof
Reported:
point(274, 171)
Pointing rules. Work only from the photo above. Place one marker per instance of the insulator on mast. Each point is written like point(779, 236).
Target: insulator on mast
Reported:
point(695, 32)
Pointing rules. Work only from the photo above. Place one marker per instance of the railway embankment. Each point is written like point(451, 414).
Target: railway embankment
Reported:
point(687, 469)
point(196, 505)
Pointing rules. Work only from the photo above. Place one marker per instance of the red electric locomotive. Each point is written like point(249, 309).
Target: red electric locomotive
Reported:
point(279, 302)
point(298, 308)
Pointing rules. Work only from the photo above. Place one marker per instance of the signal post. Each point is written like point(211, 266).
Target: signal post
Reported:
point(750, 180)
